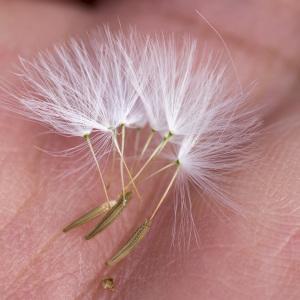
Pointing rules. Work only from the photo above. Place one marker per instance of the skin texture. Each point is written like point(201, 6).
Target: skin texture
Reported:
point(249, 256)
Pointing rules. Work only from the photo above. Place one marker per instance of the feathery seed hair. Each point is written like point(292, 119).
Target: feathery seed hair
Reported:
point(114, 81)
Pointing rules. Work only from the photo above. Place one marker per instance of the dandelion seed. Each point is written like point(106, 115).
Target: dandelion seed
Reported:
point(90, 215)
point(131, 244)
point(110, 216)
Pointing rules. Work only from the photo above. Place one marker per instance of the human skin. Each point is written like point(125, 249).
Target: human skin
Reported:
point(251, 256)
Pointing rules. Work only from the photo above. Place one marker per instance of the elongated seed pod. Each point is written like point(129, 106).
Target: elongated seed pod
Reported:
point(92, 214)
point(131, 243)
point(110, 216)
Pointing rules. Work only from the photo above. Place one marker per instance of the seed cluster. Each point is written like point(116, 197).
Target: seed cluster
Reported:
point(111, 82)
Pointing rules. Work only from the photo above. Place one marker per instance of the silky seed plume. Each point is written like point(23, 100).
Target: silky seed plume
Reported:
point(197, 127)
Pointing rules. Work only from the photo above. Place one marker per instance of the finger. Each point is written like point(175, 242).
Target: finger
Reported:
point(44, 255)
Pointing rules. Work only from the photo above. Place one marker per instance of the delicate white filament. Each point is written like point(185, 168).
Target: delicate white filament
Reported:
point(129, 80)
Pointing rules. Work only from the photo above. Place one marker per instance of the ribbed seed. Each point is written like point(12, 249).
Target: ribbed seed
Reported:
point(110, 216)
point(131, 243)
point(92, 214)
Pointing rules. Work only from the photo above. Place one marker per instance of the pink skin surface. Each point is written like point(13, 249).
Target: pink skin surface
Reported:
point(254, 256)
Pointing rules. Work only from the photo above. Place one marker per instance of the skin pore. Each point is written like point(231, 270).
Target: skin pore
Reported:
point(249, 256)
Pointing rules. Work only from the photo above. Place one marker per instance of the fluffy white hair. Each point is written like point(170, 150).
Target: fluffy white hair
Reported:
point(133, 80)
point(223, 144)
point(64, 89)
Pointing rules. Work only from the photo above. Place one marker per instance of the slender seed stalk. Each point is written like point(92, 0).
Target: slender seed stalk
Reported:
point(148, 142)
point(91, 214)
point(136, 147)
point(172, 164)
point(131, 244)
point(110, 216)
point(156, 151)
point(137, 141)
point(165, 194)
point(112, 167)
point(127, 169)
point(88, 140)
point(121, 162)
